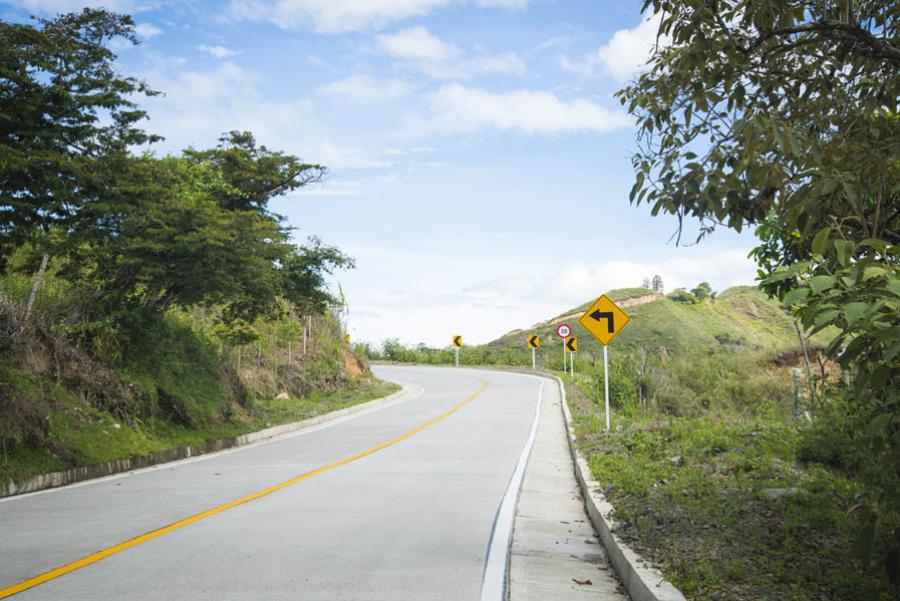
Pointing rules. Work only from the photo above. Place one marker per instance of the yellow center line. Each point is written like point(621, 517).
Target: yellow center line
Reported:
point(99, 555)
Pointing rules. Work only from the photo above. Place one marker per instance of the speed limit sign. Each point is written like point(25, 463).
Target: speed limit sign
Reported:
point(563, 331)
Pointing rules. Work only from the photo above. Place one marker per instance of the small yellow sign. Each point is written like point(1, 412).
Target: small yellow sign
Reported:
point(347, 338)
point(534, 342)
point(572, 344)
point(604, 320)
point(457, 341)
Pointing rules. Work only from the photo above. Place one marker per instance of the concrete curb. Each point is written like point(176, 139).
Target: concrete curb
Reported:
point(642, 582)
point(118, 466)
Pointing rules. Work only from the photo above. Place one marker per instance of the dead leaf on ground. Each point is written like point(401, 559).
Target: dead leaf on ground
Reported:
point(582, 582)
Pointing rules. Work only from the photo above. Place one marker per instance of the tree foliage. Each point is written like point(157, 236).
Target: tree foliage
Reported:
point(782, 114)
point(63, 106)
point(137, 233)
point(759, 107)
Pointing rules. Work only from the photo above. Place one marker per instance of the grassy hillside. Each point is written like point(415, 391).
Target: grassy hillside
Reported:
point(739, 317)
point(68, 400)
point(678, 354)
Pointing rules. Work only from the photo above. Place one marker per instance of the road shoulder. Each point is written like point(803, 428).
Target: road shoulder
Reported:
point(555, 552)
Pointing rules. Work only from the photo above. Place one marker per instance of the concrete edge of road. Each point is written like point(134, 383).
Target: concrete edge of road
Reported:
point(642, 582)
point(128, 464)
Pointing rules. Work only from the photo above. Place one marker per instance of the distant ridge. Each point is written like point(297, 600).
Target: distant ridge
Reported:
point(741, 316)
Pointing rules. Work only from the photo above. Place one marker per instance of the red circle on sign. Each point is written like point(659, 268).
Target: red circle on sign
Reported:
point(563, 331)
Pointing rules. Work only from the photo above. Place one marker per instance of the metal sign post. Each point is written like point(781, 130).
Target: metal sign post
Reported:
point(563, 331)
point(534, 342)
point(572, 348)
point(604, 320)
point(606, 382)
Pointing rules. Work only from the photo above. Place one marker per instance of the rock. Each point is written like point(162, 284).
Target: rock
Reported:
point(676, 460)
point(777, 493)
point(282, 396)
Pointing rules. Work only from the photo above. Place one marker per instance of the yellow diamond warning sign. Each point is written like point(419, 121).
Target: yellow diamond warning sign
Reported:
point(604, 319)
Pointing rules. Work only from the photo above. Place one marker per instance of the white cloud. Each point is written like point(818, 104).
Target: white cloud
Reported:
point(366, 87)
point(457, 108)
point(332, 189)
point(338, 156)
point(198, 105)
point(419, 48)
point(147, 30)
point(65, 6)
point(625, 54)
point(723, 269)
point(335, 16)
point(332, 16)
point(503, 3)
point(401, 295)
point(416, 43)
point(216, 51)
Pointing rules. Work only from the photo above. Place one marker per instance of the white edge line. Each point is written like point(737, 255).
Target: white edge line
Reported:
point(409, 392)
point(496, 564)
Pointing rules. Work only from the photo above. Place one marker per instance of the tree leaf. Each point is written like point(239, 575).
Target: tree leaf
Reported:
point(826, 317)
point(854, 312)
point(894, 286)
point(873, 271)
point(820, 241)
point(794, 296)
point(844, 250)
point(820, 282)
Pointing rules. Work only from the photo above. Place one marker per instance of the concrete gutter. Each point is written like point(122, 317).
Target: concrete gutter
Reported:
point(643, 582)
point(118, 466)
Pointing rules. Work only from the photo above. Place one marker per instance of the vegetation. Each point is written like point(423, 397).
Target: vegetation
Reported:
point(740, 319)
point(145, 301)
point(782, 115)
point(731, 505)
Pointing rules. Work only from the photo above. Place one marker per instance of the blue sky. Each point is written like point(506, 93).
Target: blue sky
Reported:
point(478, 163)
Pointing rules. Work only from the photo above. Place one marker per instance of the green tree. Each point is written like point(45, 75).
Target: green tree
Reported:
point(157, 237)
point(63, 107)
point(303, 275)
point(782, 114)
point(703, 291)
point(254, 173)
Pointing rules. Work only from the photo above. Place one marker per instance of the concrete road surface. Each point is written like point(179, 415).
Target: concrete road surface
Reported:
point(410, 520)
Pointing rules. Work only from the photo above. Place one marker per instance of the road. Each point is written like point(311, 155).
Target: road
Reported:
point(398, 503)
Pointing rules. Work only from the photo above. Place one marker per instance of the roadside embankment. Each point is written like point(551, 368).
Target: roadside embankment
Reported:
point(725, 507)
point(291, 415)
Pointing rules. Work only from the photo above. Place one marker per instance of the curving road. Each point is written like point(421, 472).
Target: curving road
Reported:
point(397, 503)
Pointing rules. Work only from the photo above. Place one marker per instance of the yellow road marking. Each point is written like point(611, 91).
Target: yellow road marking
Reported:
point(99, 555)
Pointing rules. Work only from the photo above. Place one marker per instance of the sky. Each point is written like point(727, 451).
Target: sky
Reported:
point(478, 163)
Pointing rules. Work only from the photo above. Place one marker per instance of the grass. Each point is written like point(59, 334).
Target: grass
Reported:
point(75, 394)
point(690, 496)
point(82, 435)
point(741, 318)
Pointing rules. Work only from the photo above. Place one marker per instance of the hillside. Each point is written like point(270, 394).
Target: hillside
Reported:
point(182, 379)
point(740, 317)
